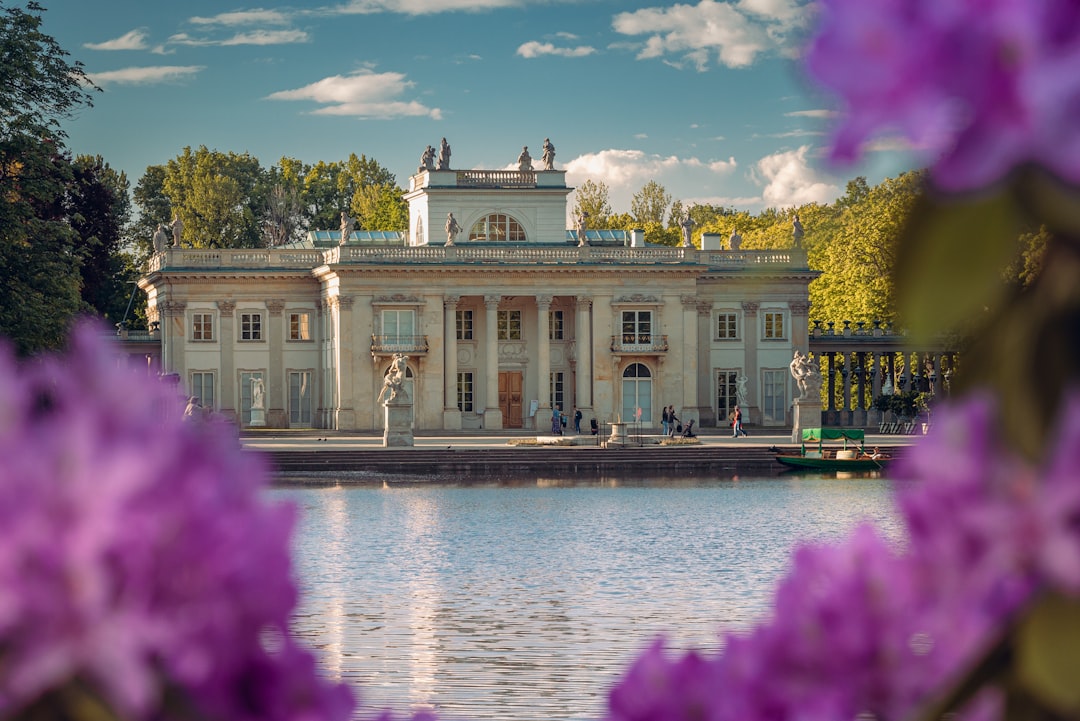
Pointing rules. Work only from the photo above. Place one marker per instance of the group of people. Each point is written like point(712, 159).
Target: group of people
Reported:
point(672, 425)
point(558, 421)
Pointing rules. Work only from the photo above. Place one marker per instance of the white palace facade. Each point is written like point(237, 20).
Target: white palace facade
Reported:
point(514, 316)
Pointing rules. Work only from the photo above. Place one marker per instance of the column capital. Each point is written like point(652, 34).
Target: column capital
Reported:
point(275, 307)
point(492, 301)
point(704, 309)
point(544, 301)
point(750, 309)
point(689, 302)
point(226, 308)
point(450, 301)
point(173, 308)
point(799, 307)
point(584, 301)
point(345, 301)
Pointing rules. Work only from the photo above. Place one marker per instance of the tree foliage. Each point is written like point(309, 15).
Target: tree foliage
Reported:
point(591, 197)
point(650, 204)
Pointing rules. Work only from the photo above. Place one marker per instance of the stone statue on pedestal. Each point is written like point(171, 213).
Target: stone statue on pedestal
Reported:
point(452, 229)
point(548, 158)
point(524, 160)
point(444, 155)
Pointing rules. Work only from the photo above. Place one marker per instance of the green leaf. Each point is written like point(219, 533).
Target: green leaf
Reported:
point(1048, 652)
point(951, 258)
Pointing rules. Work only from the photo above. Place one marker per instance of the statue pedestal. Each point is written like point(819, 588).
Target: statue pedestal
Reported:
point(618, 435)
point(807, 414)
point(258, 418)
point(397, 427)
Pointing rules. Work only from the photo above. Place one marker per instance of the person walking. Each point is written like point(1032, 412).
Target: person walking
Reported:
point(577, 421)
point(665, 419)
point(736, 425)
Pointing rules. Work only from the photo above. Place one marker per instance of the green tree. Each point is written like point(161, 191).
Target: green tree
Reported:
point(98, 208)
point(220, 197)
point(154, 209)
point(592, 198)
point(39, 268)
point(650, 204)
point(380, 207)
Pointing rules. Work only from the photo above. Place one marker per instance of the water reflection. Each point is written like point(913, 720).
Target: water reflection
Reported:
point(525, 598)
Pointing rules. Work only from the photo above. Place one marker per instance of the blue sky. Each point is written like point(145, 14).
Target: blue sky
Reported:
point(705, 98)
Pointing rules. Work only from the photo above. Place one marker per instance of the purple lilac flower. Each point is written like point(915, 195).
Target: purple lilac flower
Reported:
point(981, 85)
point(139, 554)
point(868, 626)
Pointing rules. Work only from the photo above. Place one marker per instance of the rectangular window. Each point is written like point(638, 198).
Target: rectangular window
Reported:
point(727, 326)
point(464, 325)
point(726, 394)
point(555, 325)
point(202, 326)
point(637, 327)
point(251, 326)
point(202, 388)
point(299, 326)
point(557, 390)
point(509, 324)
point(399, 326)
point(300, 398)
point(246, 378)
point(774, 325)
point(774, 397)
point(465, 392)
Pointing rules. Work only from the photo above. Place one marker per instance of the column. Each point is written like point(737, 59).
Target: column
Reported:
point(706, 410)
point(847, 376)
point(451, 412)
point(275, 381)
point(752, 372)
point(492, 411)
point(543, 360)
point(860, 401)
point(174, 338)
point(345, 413)
point(227, 382)
point(800, 326)
point(583, 346)
point(690, 342)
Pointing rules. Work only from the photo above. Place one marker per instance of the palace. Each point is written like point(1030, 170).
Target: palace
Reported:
point(500, 322)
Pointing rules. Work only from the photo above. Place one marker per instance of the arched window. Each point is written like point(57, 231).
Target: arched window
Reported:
point(498, 226)
point(636, 393)
point(419, 230)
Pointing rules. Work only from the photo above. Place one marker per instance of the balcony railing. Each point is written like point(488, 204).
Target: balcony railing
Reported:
point(639, 344)
point(407, 344)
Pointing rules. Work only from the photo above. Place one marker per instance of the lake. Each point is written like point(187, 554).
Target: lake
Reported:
point(525, 600)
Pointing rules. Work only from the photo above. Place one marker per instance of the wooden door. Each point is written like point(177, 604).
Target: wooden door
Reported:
point(510, 398)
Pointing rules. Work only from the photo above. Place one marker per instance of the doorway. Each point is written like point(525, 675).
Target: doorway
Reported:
point(510, 395)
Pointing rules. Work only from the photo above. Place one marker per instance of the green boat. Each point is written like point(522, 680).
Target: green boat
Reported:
point(844, 458)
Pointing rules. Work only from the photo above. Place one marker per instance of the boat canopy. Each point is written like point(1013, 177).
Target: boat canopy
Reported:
point(832, 434)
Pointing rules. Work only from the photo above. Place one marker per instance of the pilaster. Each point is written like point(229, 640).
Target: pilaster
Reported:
point(226, 341)
point(275, 389)
point(492, 410)
point(451, 412)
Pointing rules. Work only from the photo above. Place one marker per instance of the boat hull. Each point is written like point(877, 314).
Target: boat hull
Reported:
point(833, 464)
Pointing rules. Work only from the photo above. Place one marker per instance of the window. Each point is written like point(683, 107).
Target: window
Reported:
point(774, 325)
point(726, 394)
point(498, 226)
point(420, 230)
point(555, 325)
point(246, 378)
point(557, 390)
point(398, 326)
point(202, 326)
point(509, 324)
point(774, 397)
point(251, 326)
point(300, 398)
point(465, 392)
point(727, 326)
point(637, 327)
point(637, 393)
point(464, 325)
point(299, 326)
point(201, 387)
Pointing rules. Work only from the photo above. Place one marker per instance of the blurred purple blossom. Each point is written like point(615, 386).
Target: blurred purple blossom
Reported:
point(872, 626)
point(980, 85)
point(139, 554)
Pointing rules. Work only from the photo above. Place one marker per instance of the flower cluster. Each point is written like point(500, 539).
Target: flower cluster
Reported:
point(140, 558)
point(869, 627)
point(984, 85)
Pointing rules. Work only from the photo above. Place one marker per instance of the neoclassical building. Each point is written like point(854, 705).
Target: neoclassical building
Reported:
point(517, 314)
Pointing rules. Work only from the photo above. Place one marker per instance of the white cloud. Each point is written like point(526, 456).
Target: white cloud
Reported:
point(736, 33)
point(820, 113)
point(624, 172)
point(133, 40)
point(244, 17)
point(146, 75)
point(534, 49)
point(364, 94)
point(790, 181)
point(419, 7)
point(255, 37)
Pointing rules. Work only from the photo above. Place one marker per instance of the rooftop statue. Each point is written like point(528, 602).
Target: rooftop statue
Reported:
point(687, 224)
point(525, 160)
point(161, 239)
point(581, 222)
point(548, 157)
point(452, 229)
point(797, 230)
point(444, 155)
point(427, 160)
point(347, 225)
point(734, 240)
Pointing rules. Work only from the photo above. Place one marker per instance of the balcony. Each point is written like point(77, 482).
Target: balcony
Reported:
point(391, 344)
point(638, 344)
